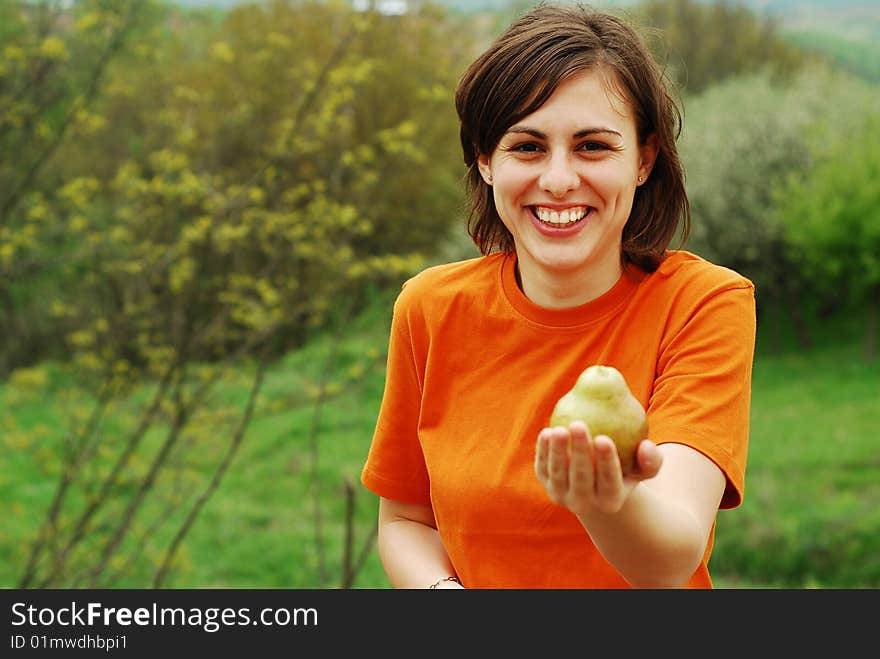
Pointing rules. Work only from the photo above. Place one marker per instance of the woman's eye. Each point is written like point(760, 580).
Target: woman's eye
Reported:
point(527, 147)
point(593, 146)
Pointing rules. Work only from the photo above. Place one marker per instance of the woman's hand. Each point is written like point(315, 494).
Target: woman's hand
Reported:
point(448, 584)
point(583, 473)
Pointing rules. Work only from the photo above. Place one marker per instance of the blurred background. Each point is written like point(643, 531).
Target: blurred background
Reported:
point(207, 209)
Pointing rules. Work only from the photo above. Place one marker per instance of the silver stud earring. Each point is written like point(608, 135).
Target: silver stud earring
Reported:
point(641, 179)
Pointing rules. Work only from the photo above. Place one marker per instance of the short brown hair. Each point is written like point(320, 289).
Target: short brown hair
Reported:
point(518, 73)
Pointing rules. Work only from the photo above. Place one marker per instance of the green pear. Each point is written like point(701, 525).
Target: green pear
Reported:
point(602, 399)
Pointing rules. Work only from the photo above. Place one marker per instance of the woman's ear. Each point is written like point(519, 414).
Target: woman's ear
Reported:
point(485, 169)
point(647, 156)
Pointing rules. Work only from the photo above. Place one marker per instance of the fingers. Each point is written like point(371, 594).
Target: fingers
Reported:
point(553, 461)
point(542, 455)
point(557, 465)
point(580, 472)
point(648, 460)
point(547, 439)
point(609, 476)
point(581, 476)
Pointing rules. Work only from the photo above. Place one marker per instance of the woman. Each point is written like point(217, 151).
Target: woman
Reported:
point(569, 134)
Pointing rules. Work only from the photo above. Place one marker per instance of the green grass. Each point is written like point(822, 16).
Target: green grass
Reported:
point(810, 517)
point(258, 529)
point(811, 513)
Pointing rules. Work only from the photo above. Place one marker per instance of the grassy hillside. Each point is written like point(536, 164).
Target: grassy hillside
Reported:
point(811, 515)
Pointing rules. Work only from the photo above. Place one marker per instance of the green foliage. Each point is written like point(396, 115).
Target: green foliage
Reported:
point(738, 136)
point(831, 214)
point(52, 62)
point(861, 58)
point(741, 139)
point(235, 180)
point(702, 43)
point(241, 184)
point(832, 211)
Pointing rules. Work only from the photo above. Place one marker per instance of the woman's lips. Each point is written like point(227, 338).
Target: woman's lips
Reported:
point(559, 222)
point(560, 217)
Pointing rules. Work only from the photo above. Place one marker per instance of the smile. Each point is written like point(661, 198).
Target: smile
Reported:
point(560, 218)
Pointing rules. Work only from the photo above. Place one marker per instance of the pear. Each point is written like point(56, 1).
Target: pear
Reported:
point(602, 399)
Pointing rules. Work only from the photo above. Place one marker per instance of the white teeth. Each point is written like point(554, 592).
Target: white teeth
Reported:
point(560, 218)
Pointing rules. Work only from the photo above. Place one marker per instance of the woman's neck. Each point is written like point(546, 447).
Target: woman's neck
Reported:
point(565, 289)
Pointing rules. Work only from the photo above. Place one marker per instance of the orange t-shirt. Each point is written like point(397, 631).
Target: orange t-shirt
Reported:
point(475, 369)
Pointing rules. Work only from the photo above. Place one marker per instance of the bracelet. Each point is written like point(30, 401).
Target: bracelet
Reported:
point(440, 581)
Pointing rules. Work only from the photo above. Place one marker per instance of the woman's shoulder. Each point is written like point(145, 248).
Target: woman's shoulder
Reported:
point(681, 268)
point(459, 284)
point(453, 278)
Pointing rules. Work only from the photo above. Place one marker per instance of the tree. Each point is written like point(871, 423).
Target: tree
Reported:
point(703, 43)
point(304, 129)
point(831, 214)
point(740, 138)
point(248, 181)
point(52, 72)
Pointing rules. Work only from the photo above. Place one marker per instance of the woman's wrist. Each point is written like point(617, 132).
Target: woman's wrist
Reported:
point(441, 582)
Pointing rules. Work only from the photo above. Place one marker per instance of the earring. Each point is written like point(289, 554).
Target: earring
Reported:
point(641, 179)
point(489, 179)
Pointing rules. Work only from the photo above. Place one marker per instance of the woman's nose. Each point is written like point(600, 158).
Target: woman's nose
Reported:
point(559, 176)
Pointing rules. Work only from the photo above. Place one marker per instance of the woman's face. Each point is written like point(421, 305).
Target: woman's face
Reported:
point(563, 181)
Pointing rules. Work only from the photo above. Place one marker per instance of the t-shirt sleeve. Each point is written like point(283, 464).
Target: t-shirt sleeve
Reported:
point(702, 392)
point(395, 466)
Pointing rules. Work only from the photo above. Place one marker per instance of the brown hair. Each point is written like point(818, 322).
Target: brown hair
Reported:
point(520, 71)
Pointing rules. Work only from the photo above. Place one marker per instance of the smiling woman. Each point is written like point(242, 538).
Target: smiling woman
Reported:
point(568, 133)
point(563, 181)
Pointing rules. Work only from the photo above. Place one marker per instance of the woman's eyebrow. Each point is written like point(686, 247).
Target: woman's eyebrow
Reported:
point(581, 133)
point(592, 131)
